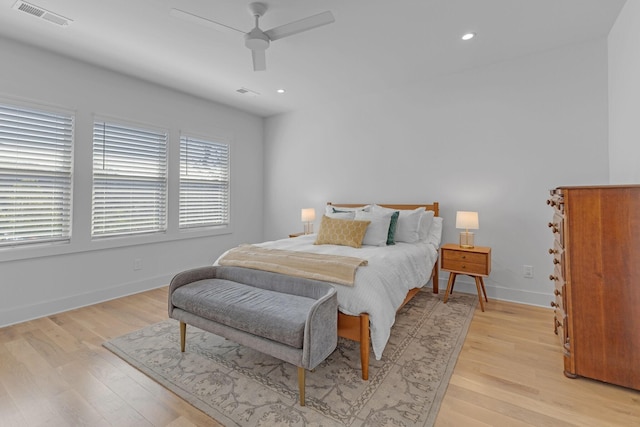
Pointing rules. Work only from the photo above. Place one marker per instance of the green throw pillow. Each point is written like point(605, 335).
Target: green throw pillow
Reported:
point(392, 228)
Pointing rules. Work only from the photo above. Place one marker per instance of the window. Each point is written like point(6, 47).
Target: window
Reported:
point(35, 175)
point(129, 180)
point(204, 183)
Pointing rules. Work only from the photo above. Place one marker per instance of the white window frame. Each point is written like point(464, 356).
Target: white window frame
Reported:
point(204, 188)
point(130, 170)
point(36, 174)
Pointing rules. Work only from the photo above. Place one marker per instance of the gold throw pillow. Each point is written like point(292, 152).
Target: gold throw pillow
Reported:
point(345, 232)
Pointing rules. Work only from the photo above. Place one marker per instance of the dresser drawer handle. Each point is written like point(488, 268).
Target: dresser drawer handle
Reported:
point(557, 293)
point(553, 251)
point(553, 304)
point(552, 277)
point(464, 257)
point(556, 261)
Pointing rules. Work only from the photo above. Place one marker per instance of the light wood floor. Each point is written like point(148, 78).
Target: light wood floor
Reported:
point(55, 372)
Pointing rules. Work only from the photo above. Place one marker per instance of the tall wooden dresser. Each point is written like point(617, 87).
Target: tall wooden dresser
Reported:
point(596, 256)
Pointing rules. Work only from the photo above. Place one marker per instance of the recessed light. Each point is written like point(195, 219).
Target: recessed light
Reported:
point(281, 91)
point(468, 36)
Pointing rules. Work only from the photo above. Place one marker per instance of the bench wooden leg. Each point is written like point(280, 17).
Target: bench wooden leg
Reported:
point(183, 335)
point(301, 384)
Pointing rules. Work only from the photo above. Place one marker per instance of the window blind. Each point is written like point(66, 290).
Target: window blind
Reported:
point(129, 180)
point(35, 175)
point(204, 183)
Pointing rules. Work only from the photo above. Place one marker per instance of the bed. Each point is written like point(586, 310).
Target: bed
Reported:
point(392, 276)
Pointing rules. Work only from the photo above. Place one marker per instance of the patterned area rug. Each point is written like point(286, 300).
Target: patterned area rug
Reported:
point(238, 386)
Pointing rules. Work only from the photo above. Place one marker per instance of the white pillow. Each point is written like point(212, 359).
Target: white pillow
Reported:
point(408, 226)
point(408, 223)
point(425, 225)
point(341, 215)
point(435, 233)
point(330, 209)
point(378, 228)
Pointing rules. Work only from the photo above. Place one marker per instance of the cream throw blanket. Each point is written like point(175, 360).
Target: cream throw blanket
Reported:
point(328, 268)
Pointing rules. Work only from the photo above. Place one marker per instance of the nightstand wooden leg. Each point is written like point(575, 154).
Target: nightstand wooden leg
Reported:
point(450, 283)
point(484, 291)
point(479, 287)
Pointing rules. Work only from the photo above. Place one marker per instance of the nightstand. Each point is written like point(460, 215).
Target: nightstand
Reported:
point(474, 262)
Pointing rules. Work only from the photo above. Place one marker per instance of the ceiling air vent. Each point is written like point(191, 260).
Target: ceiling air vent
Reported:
point(41, 13)
point(248, 92)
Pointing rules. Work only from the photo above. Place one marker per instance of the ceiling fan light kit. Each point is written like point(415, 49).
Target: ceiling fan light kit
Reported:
point(257, 40)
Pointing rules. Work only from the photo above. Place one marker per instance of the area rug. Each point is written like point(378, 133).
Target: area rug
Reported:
point(238, 386)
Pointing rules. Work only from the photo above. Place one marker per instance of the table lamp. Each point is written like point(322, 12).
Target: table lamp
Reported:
point(466, 220)
point(308, 215)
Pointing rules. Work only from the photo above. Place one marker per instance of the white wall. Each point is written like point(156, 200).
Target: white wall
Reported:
point(624, 96)
point(492, 140)
point(44, 280)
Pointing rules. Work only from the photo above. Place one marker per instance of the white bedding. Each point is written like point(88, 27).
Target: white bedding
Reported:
point(381, 286)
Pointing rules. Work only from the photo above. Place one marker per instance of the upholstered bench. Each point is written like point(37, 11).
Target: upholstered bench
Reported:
point(289, 318)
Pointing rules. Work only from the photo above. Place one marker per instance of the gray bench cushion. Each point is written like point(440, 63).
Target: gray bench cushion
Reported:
point(247, 308)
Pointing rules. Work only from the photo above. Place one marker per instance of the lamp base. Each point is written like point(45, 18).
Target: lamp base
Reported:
point(466, 239)
point(308, 228)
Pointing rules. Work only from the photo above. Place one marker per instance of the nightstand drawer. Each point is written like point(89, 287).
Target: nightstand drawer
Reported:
point(464, 266)
point(466, 261)
point(463, 256)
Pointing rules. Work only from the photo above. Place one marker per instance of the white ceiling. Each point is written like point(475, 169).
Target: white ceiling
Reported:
point(372, 44)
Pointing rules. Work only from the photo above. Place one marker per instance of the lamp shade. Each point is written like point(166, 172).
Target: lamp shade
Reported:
point(467, 220)
point(308, 214)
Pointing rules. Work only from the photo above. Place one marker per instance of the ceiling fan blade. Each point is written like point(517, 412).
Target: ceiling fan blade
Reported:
point(187, 16)
point(301, 25)
point(259, 60)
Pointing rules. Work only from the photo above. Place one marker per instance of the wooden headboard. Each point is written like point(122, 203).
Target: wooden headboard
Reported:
point(428, 206)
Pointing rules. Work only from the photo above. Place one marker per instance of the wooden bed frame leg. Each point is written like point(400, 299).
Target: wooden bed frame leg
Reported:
point(183, 335)
point(364, 345)
point(435, 279)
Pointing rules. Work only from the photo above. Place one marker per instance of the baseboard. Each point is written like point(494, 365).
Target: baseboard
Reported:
point(29, 312)
point(499, 293)
point(47, 308)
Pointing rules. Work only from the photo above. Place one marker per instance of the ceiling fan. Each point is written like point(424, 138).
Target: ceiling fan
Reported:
point(256, 39)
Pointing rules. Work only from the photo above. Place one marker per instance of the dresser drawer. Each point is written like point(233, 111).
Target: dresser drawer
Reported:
point(557, 277)
point(556, 201)
point(558, 257)
point(560, 328)
point(465, 262)
point(558, 304)
point(557, 228)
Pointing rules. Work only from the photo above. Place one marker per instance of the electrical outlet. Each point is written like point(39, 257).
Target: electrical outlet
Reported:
point(527, 271)
point(137, 264)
